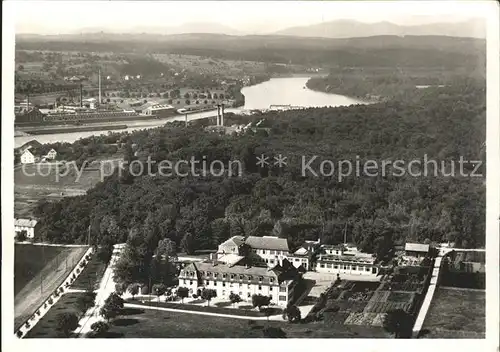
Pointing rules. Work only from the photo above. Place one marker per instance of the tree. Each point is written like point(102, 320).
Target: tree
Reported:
point(112, 306)
point(120, 288)
point(21, 236)
point(182, 292)
point(292, 313)
point(188, 101)
point(187, 243)
point(273, 332)
point(260, 300)
point(208, 294)
point(234, 298)
point(133, 289)
point(159, 289)
point(398, 322)
point(99, 327)
point(67, 322)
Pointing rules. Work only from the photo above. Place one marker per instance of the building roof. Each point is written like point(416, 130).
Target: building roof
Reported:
point(205, 270)
point(267, 242)
point(233, 241)
point(417, 247)
point(346, 259)
point(231, 259)
point(301, 251)
point(25, 222)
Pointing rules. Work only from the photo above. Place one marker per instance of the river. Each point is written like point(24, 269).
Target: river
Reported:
point(277, 91)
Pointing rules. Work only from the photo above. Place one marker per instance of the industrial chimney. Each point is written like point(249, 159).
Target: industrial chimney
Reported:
point(218, 114)
point(100, 86)
point(81, 95)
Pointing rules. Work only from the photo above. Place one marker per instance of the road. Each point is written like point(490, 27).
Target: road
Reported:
point(106, 287)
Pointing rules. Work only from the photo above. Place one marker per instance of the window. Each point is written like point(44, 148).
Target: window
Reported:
point(239, 293)
point(248, 295)
point(260, 287)
point(263, 251)
point(207, 282)
point(271, 261)
point(202, 273)
point(190, 282)
point(322, 265)
point(248, 286)
point(232, 276)
point(250, 277)
point(282, 298)
point(223, 284)
point(367, 269)
point(271, 280)
point(184, 281)
point(266, 261)
point(216, 275)
point(241, 277)
point(297, 259)
point(223, 292)
point(272, 252)
point(224, 276)
point(209, 273)
point(261, 278)
point(282, 289)
point(335, 266)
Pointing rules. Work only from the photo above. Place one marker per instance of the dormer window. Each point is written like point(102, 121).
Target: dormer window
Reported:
point(271, 280)
point(241, 277)
point(261, 278)
point(250, 277)
point(224, 276)
point(232, 276)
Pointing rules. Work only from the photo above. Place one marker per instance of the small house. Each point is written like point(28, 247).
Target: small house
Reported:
point(417, 250)
point(27, 157)
point(28, 225)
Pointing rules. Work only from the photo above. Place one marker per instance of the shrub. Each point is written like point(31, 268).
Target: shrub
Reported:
point(144, 290)
point(19, 333)
point(61, 289)
point(73, 276)
point(27, 325)
point(82, 264)
point(45, 305)
point(78, 271)
point(50, 301)
point(195, 296)
point(38, 312)
point(56, 293)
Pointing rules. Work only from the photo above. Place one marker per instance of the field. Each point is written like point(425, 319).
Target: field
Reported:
point(137, 323)
point(456, 313)
point(47, 326)
point(39, 181)
point(38, 275)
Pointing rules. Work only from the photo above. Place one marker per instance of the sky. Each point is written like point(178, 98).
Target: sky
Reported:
point(58, 17)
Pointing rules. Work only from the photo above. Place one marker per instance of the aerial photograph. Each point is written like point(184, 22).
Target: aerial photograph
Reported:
point(249, 170)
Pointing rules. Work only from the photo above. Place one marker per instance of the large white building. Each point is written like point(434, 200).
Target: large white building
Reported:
point(244, 280)
point(270, 250)
point(28, 225)
point(346, 259)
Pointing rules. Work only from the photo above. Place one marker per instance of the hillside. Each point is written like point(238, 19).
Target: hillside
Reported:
point(350, 29)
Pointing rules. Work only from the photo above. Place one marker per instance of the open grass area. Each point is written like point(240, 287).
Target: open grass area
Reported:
point(29, 260)
point(456, 313)
point(147, 323)
point(91, 275)
point(47, 326)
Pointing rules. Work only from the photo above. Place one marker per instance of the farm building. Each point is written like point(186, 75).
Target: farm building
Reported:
point(417, 250)
point(27, 157)
point(28, 225)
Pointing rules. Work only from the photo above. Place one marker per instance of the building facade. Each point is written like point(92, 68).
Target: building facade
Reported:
point(28, 225)
point(27, 157)
point(243, 280)
point(345, 259)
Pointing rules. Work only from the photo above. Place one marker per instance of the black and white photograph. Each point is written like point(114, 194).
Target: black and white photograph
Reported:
point(242, 170)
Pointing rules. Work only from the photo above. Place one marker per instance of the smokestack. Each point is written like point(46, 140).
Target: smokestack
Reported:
point(81, 95)
point(222, 115)
point(100, 86)
point(218, 114)
point(186, 116)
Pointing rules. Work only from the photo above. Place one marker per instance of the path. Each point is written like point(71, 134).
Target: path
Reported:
point(106, 287)
point(277, 317)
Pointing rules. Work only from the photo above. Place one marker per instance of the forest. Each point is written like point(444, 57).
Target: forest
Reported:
point(198, 213)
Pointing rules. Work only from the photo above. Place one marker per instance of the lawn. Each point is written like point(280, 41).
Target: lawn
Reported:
point(29, 260)
point(91, 275)
point(456, 313)
point(47, 326)
point(147, 323)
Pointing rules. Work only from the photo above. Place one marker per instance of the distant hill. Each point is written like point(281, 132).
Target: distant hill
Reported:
point(351, 29)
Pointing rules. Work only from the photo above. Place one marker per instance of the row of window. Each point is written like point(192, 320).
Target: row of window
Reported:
point(270, 252)
point(345, 267)
point(225, 276)
point(231, 285)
